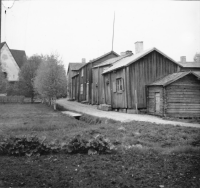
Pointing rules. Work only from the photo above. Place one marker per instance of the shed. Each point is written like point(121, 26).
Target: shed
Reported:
point(176, 95)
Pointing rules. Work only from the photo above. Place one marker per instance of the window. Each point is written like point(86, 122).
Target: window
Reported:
point(119, 84)
point(81, 89)
point(81, 72)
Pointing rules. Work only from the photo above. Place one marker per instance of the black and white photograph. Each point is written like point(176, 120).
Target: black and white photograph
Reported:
point(99, 94)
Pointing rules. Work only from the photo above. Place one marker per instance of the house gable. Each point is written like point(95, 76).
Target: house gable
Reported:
point(9, 64)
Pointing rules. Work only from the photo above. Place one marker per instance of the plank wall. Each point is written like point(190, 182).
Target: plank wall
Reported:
point(183, 97)
point(145, 71)
point(151, 104)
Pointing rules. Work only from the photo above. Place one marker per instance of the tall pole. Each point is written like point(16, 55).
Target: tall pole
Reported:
point(0, 21)
point(113, 31)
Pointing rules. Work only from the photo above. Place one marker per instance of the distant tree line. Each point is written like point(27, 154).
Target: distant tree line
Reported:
point(41, 76)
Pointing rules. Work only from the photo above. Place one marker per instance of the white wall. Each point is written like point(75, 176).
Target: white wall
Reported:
point(9, 64)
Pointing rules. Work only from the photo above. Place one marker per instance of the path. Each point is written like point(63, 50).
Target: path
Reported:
point(123, 117)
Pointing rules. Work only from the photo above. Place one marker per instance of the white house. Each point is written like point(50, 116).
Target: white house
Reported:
point(11, 61)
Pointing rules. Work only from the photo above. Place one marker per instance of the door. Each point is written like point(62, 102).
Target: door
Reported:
point(87, 92)
point(157, 97)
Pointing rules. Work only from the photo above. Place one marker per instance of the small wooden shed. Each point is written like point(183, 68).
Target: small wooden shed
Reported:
point(176, 95)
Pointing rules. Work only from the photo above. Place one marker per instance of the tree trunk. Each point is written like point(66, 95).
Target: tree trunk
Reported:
point(54, 104)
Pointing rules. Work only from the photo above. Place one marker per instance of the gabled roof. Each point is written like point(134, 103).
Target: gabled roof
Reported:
point(75, 66)
point(131, 59)
point(111, 52)
point(1, 44)
point(111, 61)
point(19, 56)
point(173, 77)
point(190, 64)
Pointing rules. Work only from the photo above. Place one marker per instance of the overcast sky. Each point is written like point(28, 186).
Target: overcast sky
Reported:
point(83, 29)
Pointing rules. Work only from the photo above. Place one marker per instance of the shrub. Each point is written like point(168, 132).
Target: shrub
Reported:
point(97, 144)
point(28, 146)
point(20, 146)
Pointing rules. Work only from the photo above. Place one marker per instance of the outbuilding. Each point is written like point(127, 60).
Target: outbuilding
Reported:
point(175, 95)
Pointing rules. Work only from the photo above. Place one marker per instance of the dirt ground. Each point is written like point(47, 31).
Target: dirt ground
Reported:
point(123, 117)
point(166, 156)
point(123, 170)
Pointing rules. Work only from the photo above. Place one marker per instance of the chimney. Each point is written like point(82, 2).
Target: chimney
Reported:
point(128, 52)
point(83, 60)
point(138, 47)
point(183, 59)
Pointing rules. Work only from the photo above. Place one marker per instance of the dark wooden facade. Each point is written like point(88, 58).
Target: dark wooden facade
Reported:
point(100, 85)
point(73, 69)
point(176, 97)
point(85, 78)
point(133, 78)
point(75, 87)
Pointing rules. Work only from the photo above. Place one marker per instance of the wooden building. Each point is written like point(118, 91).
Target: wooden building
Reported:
point(75, 87)
point(125, 82)
point(176, 95)
point(189, 65)
point(84, 79)
point(99, 95)
point(73, 69)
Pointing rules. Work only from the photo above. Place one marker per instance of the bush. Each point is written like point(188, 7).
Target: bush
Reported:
point(28, 146)
point(21, 146)
point(97, 144)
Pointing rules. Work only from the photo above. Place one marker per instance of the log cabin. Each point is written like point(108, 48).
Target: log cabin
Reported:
point(176, 95)
point(84, 79)
point(125, 82)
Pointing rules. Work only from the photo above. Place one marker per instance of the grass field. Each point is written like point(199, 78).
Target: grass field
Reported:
point(148, 155)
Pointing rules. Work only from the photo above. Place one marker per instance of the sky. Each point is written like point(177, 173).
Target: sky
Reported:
point(77, 29)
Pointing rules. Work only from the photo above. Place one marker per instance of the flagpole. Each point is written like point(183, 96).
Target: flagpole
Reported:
point(113, 31)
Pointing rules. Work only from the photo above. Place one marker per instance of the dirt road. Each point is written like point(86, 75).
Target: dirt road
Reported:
point(123, 117)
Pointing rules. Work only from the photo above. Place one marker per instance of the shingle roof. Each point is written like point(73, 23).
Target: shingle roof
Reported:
point(131, 59)
point(102, 57)
point(190, 64)
point(76, 66)
point(111, 61)
point(19, 56)
point(173, 77)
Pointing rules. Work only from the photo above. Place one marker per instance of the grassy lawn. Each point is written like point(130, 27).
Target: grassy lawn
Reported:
point(147, 155)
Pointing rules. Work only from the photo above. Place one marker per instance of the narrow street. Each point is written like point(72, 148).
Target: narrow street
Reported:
point(123, 117)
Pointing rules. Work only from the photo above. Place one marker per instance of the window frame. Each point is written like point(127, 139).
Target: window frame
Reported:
point(81, 89)
point(119, 85)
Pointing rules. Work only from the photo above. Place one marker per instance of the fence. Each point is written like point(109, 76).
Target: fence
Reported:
point(12, 99)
